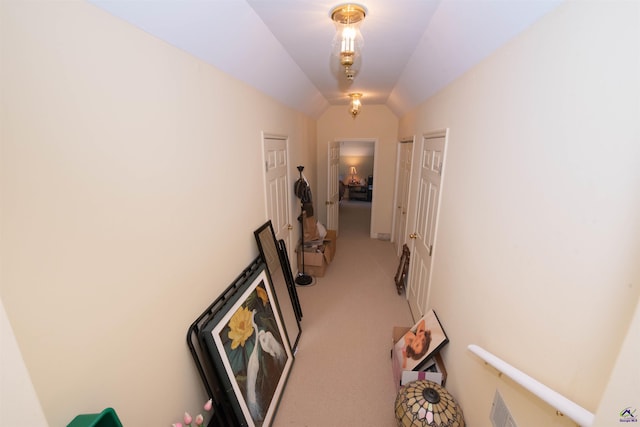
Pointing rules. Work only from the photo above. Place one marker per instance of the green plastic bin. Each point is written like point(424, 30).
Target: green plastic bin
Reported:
point(106, 418)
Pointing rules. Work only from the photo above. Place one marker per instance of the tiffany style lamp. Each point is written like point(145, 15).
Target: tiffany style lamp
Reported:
point(425, 403)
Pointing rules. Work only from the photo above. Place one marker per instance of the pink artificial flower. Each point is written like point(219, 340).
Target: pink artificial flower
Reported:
point(187, 418)
point(199, 420)
point(176, 425)
point(208, 405)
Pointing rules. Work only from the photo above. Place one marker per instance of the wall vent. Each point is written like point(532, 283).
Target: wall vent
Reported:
point(500, 416)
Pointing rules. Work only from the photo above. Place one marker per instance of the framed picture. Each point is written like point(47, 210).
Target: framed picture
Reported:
point(403, 269)
point(420, 343)
point(249, 347)
point(288, 275)
point(222, 412)
point(283, 286)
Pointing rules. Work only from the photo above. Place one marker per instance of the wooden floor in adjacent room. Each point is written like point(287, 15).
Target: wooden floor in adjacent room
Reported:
point(342, 372)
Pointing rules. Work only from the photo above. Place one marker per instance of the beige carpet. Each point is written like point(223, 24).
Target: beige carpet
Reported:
point(342, 372)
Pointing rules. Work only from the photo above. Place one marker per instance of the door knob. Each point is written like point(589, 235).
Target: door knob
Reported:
point(413, 235)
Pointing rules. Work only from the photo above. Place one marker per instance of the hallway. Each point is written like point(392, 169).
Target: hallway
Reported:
point(342, 372)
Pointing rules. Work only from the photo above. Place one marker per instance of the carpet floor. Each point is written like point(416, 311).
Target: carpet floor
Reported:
point(342, 371)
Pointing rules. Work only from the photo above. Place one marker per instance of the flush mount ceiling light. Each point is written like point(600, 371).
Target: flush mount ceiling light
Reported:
point(355, 104)
point(348, 41)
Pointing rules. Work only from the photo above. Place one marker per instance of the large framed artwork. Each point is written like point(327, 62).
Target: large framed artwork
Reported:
point(222, 413)
point(420, 343)
point(249, 347)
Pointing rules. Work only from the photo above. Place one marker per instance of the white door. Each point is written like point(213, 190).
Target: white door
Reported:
point(277, 187)
point(405, 154)
point(429, 175)
point(333, 189)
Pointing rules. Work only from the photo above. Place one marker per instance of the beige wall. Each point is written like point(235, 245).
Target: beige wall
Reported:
point(536, 257)
point(131, 185)
point(375, 122)
point(19, 404)
point(623, 389)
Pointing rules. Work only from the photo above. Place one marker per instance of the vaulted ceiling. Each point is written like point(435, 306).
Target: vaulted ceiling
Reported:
point(413, 48)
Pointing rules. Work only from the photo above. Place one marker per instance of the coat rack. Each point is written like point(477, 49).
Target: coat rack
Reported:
point(302, 191)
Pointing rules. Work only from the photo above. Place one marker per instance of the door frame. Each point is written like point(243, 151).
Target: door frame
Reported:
point(374, 141)
point(397, 238)
point(332, 204)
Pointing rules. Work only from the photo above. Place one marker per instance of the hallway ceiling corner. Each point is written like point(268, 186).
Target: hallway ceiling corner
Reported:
point(412, 48)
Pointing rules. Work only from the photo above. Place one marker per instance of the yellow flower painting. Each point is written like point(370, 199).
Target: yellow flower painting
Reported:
point(248, 347)
point(240, 327)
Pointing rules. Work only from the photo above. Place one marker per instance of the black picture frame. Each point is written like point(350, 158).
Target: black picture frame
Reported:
point(248, 345)
point(288, 274)
point(283, 286)
point(403, 270)
point(222, 412)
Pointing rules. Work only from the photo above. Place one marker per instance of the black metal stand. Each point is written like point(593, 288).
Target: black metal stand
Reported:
point(303, 279)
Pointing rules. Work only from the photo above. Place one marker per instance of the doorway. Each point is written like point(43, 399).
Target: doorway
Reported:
point(356, 177)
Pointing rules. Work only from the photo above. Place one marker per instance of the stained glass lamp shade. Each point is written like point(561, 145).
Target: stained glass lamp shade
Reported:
point(425, 403)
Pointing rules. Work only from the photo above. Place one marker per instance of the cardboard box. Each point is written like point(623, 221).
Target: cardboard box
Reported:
point(318, 255)
point(315, 263)
point(400, 376)
point(313, 270)
point(409, 376)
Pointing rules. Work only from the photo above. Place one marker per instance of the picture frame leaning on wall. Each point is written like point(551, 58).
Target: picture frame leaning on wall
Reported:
point(248, 345)
point(422, 342)
point(403, 270)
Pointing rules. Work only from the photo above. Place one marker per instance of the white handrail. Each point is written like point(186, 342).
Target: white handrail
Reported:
point(565, 406)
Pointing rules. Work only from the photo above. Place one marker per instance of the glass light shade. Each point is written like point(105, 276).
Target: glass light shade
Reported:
point(355, 104)
point(348, 41)
point(425, 403)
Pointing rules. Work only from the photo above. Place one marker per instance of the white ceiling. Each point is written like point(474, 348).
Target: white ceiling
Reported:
point(413, 48)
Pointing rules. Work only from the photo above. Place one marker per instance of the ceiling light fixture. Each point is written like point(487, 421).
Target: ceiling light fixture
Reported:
point(354, 106)
point(348, 40)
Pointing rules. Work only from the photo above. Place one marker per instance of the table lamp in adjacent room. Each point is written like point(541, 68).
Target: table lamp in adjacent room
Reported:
point(353, 172)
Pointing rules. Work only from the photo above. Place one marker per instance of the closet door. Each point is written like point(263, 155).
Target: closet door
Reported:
point(405, 153)
point(429, 177)
point(277, 186)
